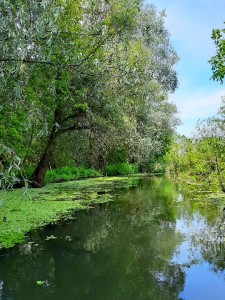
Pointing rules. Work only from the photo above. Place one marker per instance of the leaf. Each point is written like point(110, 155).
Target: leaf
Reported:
point(40, 282)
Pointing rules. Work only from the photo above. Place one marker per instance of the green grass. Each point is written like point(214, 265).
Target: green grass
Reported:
point(65, 173)
point(69, 173)
point(72, 173)
point(24, 210)
point(120, 169)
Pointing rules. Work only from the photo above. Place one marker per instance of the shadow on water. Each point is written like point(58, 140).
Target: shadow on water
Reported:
point(152, 242)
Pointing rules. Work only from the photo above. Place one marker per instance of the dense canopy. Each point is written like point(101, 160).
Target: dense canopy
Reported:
point(83, 83)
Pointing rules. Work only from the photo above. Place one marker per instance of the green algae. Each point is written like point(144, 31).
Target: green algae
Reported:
point(23, 210)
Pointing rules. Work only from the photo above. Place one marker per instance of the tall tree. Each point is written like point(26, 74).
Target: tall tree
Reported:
point(85, 65)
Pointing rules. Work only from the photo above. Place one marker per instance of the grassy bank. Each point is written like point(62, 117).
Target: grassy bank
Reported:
point(24, 210)
point(68, 173)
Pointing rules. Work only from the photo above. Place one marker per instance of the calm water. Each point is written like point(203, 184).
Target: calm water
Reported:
point(153, 242)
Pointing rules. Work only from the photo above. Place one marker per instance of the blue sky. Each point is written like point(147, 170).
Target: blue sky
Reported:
point(190, 23)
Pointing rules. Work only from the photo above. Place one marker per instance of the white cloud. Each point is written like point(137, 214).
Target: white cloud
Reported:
point(198, 104)
point(195, 106)
point(190, 23)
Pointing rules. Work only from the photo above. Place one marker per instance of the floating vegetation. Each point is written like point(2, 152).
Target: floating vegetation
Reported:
point(24, 210)
point(51, 237)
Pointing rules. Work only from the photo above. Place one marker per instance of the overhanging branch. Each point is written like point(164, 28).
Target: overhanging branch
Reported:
point(75, 128)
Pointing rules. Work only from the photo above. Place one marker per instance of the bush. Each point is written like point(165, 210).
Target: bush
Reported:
point(72, 173)
point(120, 169)
point(83, 172)
point(50, 176)
point(69, 173)
point(111, 170)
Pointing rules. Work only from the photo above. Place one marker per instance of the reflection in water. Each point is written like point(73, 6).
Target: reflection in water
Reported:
point(144, 245)
point(1, 287)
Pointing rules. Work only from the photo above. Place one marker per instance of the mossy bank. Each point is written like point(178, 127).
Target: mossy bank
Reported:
point(24, 210)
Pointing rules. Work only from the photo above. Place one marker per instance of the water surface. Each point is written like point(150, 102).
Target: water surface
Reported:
point(155, 241)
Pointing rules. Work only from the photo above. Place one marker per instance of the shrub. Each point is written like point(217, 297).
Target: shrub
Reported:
point(83, 172)
point(120, 169)
point(111, 170)
point(69, 173)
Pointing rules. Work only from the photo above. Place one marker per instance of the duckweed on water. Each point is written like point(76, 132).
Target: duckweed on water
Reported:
point(24, 210)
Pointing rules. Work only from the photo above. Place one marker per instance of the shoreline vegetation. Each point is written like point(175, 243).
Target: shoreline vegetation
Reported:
point(27, 209)
point(68, 173)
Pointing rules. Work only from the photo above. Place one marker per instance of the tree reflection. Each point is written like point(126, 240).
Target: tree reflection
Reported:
point(121, 250)
point(208, 234)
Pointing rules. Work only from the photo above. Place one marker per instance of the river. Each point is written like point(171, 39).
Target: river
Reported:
point(154, 241)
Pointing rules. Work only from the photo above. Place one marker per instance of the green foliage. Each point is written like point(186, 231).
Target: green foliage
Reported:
point(39, 282)
point(69, 173)
point(10, 165)
point(156, 165)
point(218, 61)
point(116, 156)
point(120, 169)
point(200, 160)
point(28, 171)
point(84, 79)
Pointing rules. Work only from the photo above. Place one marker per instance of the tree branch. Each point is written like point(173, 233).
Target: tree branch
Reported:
point(29, 61)
point(74, 128)
point(99, 44)
point(55, 64)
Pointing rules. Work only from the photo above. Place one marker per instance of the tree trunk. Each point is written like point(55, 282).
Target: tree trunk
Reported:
point(103, 167)
point(37, 178)
point(102, 163)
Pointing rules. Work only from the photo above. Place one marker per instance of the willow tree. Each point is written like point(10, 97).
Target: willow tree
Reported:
point(59, 43)
point(86, 65)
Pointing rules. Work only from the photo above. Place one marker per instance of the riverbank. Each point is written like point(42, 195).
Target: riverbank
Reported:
point(23, 210)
